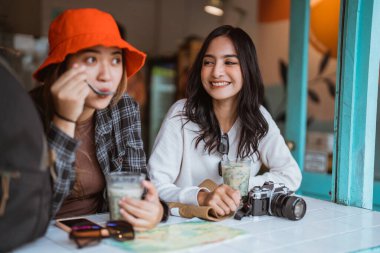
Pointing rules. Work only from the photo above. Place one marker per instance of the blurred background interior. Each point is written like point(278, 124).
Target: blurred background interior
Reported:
point(171, 33)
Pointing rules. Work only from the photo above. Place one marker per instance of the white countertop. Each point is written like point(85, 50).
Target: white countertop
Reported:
point(326, 227)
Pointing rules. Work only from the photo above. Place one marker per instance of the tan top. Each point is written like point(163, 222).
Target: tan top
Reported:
point(86, 195)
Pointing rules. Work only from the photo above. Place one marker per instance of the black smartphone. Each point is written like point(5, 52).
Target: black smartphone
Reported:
point(67, 224)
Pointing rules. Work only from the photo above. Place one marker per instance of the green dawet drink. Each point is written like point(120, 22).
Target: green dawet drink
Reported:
point(236, 174)
point(122, 184)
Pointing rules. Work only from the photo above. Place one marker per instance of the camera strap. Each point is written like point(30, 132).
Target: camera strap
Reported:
point(270, 202)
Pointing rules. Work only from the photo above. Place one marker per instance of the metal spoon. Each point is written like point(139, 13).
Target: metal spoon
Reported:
point(99, 92)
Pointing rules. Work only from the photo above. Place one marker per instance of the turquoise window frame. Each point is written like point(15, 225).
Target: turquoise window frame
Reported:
point(296, 109)
point(356, 103)
point(352, 181)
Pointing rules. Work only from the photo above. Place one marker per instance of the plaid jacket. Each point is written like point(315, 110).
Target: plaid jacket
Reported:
point(118, 142)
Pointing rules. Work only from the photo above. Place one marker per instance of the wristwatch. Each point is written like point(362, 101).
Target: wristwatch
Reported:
point(165, 215)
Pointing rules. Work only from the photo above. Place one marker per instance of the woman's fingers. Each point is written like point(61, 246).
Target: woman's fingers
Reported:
point(69, 93)
point(232, 207)
point(76, 82)
point(83, 91)
point(68, 85)
point(138, 217)
point(139, 208)
point(151, 194)
point(142, 214)
point(224, 200)
point(137, 223)
point(234, 195)
point(69, 74)
point(217, 209)
point(220, 207)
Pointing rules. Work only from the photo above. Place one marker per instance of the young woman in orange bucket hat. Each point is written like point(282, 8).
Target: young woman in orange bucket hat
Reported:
point(93, 125)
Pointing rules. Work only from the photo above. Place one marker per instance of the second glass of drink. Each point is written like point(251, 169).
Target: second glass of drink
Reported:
point(236, 174)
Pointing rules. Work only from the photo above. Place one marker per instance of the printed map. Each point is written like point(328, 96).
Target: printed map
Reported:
point(178, 237)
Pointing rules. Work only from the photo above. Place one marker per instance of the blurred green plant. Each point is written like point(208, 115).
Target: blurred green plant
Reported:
point(320, 78)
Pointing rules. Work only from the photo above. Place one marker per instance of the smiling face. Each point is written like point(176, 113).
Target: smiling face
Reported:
point(221, 73)
point(104, 69)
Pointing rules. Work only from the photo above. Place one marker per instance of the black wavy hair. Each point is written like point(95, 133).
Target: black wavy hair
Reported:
point(199, 108)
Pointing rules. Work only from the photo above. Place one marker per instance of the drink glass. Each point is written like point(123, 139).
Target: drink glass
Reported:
point(122, 184)
point(236, 174)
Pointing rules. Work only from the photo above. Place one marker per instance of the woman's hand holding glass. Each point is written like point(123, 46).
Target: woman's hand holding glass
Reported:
point(224, 199)
point(143, 214)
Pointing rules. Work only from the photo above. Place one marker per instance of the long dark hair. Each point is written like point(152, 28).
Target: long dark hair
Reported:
point(199, 108)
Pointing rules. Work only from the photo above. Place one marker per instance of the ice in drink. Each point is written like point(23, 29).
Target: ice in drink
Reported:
point(236, 174)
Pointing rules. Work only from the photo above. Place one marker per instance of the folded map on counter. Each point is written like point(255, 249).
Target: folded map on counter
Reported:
point(176, 237)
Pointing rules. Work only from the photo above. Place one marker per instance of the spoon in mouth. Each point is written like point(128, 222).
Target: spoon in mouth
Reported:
point(99, 92)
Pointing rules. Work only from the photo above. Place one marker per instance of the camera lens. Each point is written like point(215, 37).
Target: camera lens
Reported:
point(295, 208)
point(291, 207)
point(278, 201)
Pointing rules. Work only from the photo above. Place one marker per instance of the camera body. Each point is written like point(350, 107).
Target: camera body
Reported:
point(273, 199)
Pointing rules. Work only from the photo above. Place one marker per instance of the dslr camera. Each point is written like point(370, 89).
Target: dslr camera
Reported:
point(273, 199)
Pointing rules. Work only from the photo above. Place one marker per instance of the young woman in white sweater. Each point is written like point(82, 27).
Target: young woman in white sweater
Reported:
point(224, 96)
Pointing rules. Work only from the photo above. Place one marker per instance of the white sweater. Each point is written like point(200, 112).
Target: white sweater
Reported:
point(176, 167)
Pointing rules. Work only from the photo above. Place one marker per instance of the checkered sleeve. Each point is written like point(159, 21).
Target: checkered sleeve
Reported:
point(64, 148)
point(135, 159)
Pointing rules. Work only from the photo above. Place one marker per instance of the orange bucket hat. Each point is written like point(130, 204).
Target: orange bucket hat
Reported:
point(77, 29)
